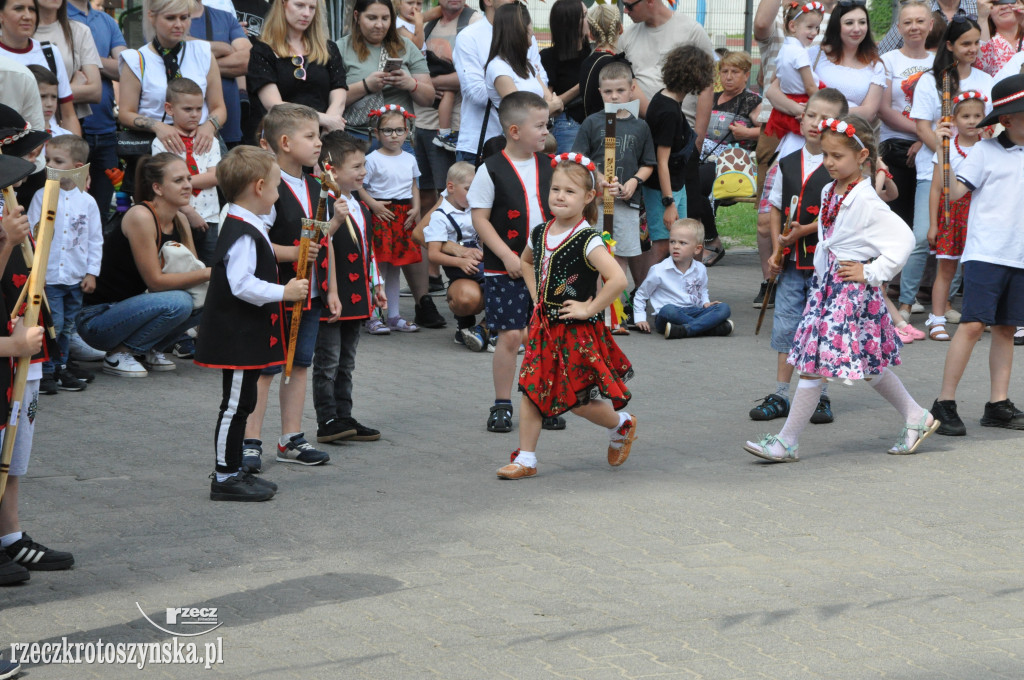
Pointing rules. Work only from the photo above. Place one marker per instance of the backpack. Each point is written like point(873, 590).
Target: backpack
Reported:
point(735, 175)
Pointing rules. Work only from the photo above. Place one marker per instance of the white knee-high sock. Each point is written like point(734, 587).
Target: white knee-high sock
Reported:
point(392, 287)
point(891, 387)
point(804, 401)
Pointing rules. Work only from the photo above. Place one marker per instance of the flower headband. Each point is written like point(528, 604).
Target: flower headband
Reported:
point(968, 94)
point(577, 158)
point(388, 108)
point(809, 7)
point(840, 127)
point(16, 136)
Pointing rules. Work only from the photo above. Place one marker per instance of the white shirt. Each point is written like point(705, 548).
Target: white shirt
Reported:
point(355, 213)
point(223, 5)
point(854, 83)
point(440, 227)
point(481, 192)
point(297, 185)
point(666, 285)
point(810, 164)
point(148, 66)
point(928, 106)
point(792, 57)
point(77, 246)
point(1010, 68)
point(553, 241)
point(240, 262)
point(472, 46)
point(33, 54)
point(865, 228)
point(391, 176)
point(994, 229)
point(205, 202)
point(899, 67)
point(499, 67)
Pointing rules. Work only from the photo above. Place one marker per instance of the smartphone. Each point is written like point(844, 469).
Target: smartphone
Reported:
point(393, 65)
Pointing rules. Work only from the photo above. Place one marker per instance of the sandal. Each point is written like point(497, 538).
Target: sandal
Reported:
point(719, 253)
point(375, 326)
point(500, 419)
point(620, 329)
point(936, 326)
point(402, 326)
point(762, 449)
point(773, 406)
point(923, 430)
point(553, 423)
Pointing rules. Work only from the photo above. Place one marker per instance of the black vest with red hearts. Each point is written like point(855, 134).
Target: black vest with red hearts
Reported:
point(352, 271)
point(237, 334)
point(510, 212)
point(809, 196)
point(15, 277)
point(287, 227)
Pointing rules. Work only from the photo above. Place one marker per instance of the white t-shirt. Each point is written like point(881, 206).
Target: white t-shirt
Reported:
point(481, 191)
point(1010, 68)
point(854, 83)
point(994, 171)
point(34, 55)
point(792, 57)
point(440, 227)
point(899, 67)
point(928, 106)
point(148, 66)
point(391, 176)
point(790, 143)
point(810, 164)
point(955, 159)
point(499, 67)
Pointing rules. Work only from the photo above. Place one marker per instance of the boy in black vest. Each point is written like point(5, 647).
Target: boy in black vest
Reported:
point(508, 197)
point(354, 288)
point(243, 320)
point(292, 132)
point(801, 174)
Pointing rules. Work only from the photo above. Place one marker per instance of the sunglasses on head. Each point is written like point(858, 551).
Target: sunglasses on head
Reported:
point(852, 3)
point(964, 18)
point(300, 72)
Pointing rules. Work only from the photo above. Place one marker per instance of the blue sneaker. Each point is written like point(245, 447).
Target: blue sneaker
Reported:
point(185, 349)
point(8, 669)
point(474, 338)
point(252, 456)
point(298, 450)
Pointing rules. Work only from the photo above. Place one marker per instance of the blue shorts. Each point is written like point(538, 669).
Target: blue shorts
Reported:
point(791, 292)
point(306, 342)
point(993, 294)
point(508, 303)
point(656, 211)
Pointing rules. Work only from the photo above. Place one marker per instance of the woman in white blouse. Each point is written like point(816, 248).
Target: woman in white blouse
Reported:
point(507, 69)
point(78, 52)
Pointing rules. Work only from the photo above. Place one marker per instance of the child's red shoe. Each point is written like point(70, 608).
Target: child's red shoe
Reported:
point(621, 442)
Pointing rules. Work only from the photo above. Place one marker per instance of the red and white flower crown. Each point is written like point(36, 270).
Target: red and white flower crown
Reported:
point(577, 158)
point(968, 94)
point(388, 108)
point(840, 127)
point(809, 7)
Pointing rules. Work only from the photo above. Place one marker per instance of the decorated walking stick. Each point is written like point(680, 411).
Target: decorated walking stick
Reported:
point(617, 312)
point(790, 217)
point(34, 301)
point(947, 116)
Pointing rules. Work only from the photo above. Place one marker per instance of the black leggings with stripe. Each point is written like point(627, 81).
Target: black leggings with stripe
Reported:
point(239, 388)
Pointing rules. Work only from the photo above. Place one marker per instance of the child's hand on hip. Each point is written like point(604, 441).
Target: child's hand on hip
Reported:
point(851, 271)
point(576, 309)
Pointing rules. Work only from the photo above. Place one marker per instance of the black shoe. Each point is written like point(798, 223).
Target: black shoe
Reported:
point(334, 430)
point(1003, 414)
point(945, 413)
point(823, 413)
point(69, 383)
point(11, 571)
point(241, 487)
point(427, 314)
point(435, 284)
point(553, 423)
point(771, 407)
point(265, 483)
point(723, 329)
point(363, 433)
point(500, 418)
point(759, 298)
point(48, 385)
point(36, 557)
point(675, 331)
point(74, 369)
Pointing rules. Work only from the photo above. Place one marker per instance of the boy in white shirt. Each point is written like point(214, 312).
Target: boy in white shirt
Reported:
point(75, 256)
point(678, 290)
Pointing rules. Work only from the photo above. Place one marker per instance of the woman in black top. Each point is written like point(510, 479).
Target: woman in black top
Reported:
point(605, 26)
point(735, 108)
point(562, 62)
point(294, 61)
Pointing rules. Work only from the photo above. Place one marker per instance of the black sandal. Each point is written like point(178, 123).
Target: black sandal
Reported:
point(553, 423)
point(773, 406)
point(719, 254)
point(500, 419)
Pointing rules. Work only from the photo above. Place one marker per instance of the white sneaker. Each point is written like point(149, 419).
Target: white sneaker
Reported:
point(124, 365)
point(156, 361)
point(916, 308)
point(80, 351)
point(952, 316)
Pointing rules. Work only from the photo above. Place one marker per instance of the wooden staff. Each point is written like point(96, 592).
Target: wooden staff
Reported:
point(610, 114)
point(790, 217)
point(947, 116)
point(34, 302)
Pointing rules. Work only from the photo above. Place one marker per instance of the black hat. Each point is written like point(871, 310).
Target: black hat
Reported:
point(13, 170)
point(16, 137)
point(1007, 98)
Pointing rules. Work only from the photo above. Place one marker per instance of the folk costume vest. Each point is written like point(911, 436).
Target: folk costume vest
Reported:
point(352, 272)
point(510, 211)
point(287, 227)
point(569, 275)
point(237, 334)
point(15, 277)
point(809, 196)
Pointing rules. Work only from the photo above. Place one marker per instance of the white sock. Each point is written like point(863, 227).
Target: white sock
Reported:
point(10, 539)
point(932, 319)
point(891, 387)
point(613, 432)
point(225, 476)
point(824, 388)
point(444, 132)
point(392, 287)
point(287, 438)
point(527, 459)
point(801, 407)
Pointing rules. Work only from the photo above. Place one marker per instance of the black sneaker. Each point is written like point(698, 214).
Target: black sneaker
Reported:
point(945, 413)
point(265, 483)
point(675, 331)
point(363, 433)
point(759, 298)
point(427, 314)
point(553, 423)
point(48, 385)
point(435, 284)
point(823, 413)
point(74, 369)
point(252, 456)
point(1003, 414)
point(184, 349)
point(68, 382)
point(36, 557)
point(241, 487)
point(334, 430)
point(771, 407)
point(11, 571)
point(723, 329)
point(298, 450)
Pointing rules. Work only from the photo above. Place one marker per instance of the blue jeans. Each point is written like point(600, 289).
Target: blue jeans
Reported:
point(565, 130)
point(792, 289)
point(696, 320)
point(102, 155)
point(910, 279)
point(141, 323)
point(65, 304)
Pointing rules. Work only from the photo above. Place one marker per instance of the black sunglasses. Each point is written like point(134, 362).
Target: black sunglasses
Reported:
point(628, 6)
point(964, 18)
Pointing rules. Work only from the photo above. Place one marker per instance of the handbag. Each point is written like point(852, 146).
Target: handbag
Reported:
point(134, 143)
point(358, 114)
point(178, 259)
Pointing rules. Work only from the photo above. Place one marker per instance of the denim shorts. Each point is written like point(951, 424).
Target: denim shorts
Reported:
point(791, 292)
point(306, 342)
point(656, 211)
point(508, 303)
point(993, 294)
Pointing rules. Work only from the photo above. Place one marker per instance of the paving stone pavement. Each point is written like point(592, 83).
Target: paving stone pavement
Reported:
point(407, 558)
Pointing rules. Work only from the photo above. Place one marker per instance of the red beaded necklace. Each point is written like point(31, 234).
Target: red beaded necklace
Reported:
point(956, 143)
point(829, 218)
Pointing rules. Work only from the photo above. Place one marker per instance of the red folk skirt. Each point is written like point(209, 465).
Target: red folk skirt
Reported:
point(949, 244)
point(780, 123)
point(569, 364)
point(392, 244)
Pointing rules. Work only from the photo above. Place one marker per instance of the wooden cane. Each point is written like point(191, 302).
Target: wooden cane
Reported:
point(947, 116)
point(34, 303)
point(790, 217)
point(610, 116)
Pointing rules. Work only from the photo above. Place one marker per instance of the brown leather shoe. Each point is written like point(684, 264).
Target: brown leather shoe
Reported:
point(617, 455)
point(516, 471)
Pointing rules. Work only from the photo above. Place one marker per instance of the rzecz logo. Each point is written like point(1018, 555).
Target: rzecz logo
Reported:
point(183, 621)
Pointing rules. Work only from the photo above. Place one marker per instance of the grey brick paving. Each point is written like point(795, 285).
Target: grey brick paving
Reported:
point(406, 558)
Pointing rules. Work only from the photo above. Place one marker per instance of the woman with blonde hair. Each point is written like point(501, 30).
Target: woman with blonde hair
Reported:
point(295, 61)
point(605, 25)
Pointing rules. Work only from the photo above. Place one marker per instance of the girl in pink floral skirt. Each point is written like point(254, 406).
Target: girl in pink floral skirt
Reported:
point(846, 332)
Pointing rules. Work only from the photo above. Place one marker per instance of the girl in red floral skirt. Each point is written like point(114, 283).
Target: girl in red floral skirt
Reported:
point(571, 359)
